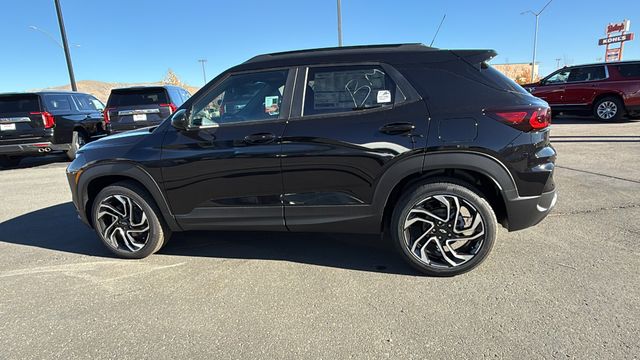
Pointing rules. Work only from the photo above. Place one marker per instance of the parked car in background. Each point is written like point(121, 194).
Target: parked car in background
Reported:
point(141, 106)
point(433, 147)
point(41, 122)
point(608, 91)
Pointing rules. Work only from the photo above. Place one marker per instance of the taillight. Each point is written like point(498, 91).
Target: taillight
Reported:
point(525, 119)
point(105, 115)
point(171, 106)
point(47, 119)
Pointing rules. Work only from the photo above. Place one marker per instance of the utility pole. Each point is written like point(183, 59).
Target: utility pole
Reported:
point(204, 74)
point(535, 37)
point(558, 63)
point(65, 46)
point(339, 24)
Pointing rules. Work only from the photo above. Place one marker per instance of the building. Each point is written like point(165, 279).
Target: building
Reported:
point(518, 72)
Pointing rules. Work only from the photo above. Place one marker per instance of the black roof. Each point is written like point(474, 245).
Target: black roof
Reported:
point(137, 87)
point(44, 92)
point(391, 53)
point(605, 63)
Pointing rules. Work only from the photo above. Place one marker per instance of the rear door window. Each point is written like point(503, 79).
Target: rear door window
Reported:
point(19, 104)
point(347, 88)
point(629, 70)
point(58, 103)
point(590, 73)
point(185, 95)
point(88, 103)
point(133, 97)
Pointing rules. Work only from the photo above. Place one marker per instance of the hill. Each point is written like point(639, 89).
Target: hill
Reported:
point(101, 89)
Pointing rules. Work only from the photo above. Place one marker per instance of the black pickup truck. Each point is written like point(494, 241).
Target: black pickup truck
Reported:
point(37, 123)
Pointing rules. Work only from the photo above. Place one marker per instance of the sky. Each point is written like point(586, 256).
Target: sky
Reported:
point(137, 41)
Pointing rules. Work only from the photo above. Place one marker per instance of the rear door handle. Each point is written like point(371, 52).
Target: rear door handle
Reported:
point(260, 138)
point(397, 128)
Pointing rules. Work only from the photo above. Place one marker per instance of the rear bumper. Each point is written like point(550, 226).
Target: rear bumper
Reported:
point(524, 212)
point(32, 148)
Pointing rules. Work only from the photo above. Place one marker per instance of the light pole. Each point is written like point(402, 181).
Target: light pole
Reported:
point(204, 74)
point(339, 24)
point(535, 37)
point(65, 46)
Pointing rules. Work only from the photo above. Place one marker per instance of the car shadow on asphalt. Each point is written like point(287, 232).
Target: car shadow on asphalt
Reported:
point(57, 228)
point(39, 160)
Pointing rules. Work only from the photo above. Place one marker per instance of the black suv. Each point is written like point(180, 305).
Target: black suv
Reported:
point(141, 106)
point(41, 122)
point(432, 147)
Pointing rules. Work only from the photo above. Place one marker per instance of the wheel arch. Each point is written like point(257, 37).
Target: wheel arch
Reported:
point(478, 170)
point(100, 176)
point(599, 97)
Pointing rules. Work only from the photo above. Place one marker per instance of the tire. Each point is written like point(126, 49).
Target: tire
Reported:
point(78, 139)
point(610, 109)
point(425, 247)
point(8, 162)
point(110, 218)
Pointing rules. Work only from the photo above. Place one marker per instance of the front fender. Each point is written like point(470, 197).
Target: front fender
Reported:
point(129, 171)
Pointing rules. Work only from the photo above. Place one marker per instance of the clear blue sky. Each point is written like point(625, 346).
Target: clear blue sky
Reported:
point(136, 41)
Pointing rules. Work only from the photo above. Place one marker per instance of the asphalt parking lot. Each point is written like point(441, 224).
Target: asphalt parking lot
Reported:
point(568, 288)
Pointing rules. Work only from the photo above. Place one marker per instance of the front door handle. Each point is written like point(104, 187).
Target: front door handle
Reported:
point(397, 128)
point(260, 138)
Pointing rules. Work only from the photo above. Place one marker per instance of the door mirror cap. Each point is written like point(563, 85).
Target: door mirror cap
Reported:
point(180, 120)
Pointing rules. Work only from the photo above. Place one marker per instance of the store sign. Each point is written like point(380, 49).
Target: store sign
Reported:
point(617, 33)
point(615, 39)
point(618, 27)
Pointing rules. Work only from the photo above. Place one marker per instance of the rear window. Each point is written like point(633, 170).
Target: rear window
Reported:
point(131, 97)
point(19, 104)
point(629, 70)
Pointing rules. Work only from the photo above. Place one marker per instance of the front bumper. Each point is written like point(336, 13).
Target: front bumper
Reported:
point(524, 212)
point(74, 170)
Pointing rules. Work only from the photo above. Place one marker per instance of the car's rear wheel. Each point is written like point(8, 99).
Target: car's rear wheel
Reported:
point(78, 140)
point(9, 161)
point(443, 228)
point(608, 109)
point(128, 221)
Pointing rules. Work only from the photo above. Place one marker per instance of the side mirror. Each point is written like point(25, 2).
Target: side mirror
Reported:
point(180, 120)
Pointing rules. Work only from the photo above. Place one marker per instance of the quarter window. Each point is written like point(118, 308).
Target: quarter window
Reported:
point(591, 73)
point(242, 97)
point(58, 102)
point(629, 70)
point(347, 88)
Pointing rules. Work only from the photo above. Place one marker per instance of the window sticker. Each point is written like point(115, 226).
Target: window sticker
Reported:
point(271, 105)
point(384, 96)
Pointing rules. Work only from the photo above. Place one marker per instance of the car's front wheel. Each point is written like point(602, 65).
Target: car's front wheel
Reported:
point(608, 109)
point(443, 228)
point(128, 221)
